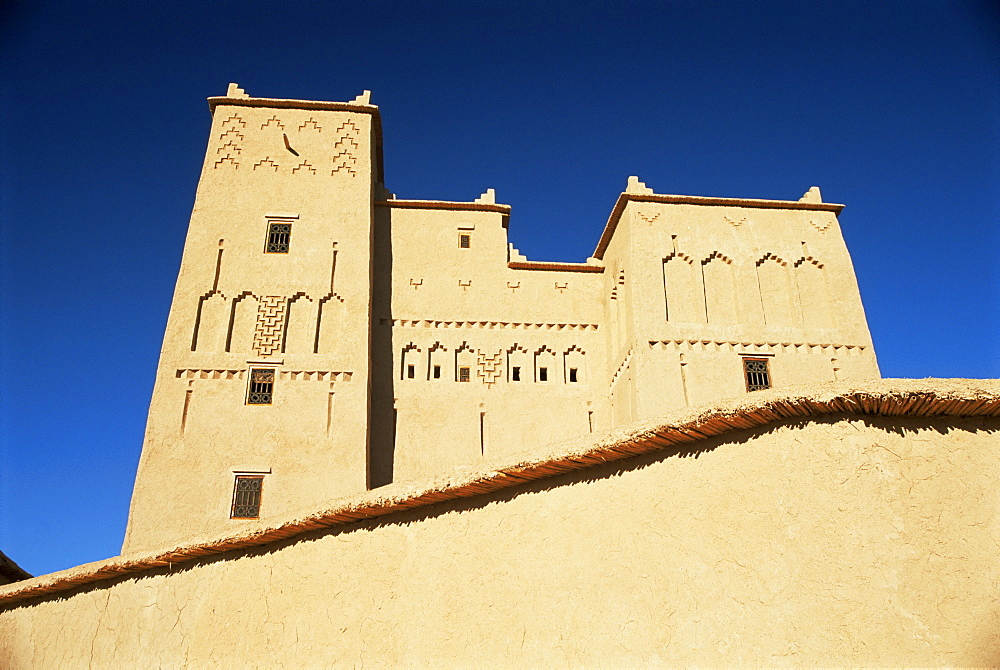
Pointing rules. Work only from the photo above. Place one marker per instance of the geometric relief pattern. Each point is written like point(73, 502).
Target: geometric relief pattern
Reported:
point(430, 323)
point(345, 148)
point(230, 142)
point(270, 327)
point(489, 367)
point(824, 348)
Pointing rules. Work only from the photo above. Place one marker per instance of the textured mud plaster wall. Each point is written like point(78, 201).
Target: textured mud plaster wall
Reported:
point(832, 541)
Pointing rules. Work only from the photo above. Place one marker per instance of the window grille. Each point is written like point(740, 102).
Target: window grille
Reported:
point(279, 235)
point(464, 241)
point(246, 497)
point(463, 374)
point(261, 389)
point(757, 374)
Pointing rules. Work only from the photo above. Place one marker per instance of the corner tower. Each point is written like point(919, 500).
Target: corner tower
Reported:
point(261, 399)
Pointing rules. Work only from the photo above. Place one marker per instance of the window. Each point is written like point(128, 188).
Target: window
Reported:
point(543, 374)
point(757, 375)
point(261, 389)
point(572, 375)
point(515, 374)
point(437, 372)
point(246, 497)
point(464, 241)
point(409, 372)
point(279, 235)
point(463, 374)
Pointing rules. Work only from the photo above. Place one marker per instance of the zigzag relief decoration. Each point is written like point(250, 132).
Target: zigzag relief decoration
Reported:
point(270, 324)
point(265, 163)
point(274, 123)
point(647, 218)
point(209, 374)
point(311, 125)
point(315, 375)
point(294, 375)
point(759, 347)
point(821, 227)
point(735, 223)
point(489, 367)
point(230, 143)
point(428, 323)
point(346, 145)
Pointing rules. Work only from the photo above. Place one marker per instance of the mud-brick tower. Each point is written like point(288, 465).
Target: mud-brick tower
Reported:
point(262, 390)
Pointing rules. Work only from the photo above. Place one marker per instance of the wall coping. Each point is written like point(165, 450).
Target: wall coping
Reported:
point(682, 429)
point(444, 204)
point(625, 198)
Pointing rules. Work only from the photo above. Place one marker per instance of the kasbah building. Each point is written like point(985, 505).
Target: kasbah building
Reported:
point(381, 436)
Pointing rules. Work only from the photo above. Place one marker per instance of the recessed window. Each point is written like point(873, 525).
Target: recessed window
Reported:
point(437, 372)
point(463, 374)
point(279, 236)
point(572, 375)
point(515, 374)
point(464, 241)
point(261, 390)
point(409, 372)
point(246, 497)
point(543, 374)
point(758, 377)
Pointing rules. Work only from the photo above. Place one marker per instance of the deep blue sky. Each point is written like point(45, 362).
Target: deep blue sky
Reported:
point(889, 107)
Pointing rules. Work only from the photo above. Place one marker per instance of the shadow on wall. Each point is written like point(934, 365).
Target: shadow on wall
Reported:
point(382, 426)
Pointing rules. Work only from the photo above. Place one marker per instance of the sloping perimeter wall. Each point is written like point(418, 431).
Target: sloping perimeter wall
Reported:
point(832, 539)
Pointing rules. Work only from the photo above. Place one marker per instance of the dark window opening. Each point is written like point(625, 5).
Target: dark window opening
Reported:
point(757, 375)
point(464, 241)
point(437, 372)
point(543, 374)
point(246, 497)
point(261, 390)
point(463, 374)
point(572, 375)
point(409, 372)
point(279, 235)
point(515, 374)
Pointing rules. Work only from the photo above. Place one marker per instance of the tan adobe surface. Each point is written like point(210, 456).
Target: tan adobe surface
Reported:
point(846, 524)
point(408, 337)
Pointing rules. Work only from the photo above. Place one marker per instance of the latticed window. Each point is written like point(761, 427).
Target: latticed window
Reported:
point(464, 241)
point(757, 375)
point(246, 497)
point(279, 236)
point(261, 389)
point(463, 374)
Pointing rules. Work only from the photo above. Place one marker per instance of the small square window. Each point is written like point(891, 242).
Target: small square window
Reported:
point(261, 389)
point(437, 372)
point(463, 374)
point(758, 377)
point(409, 372)
point(515, 374)
point(279, 236)
point(246, 497)
point(543, 374)
point(572, 375)
point(464, 241)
